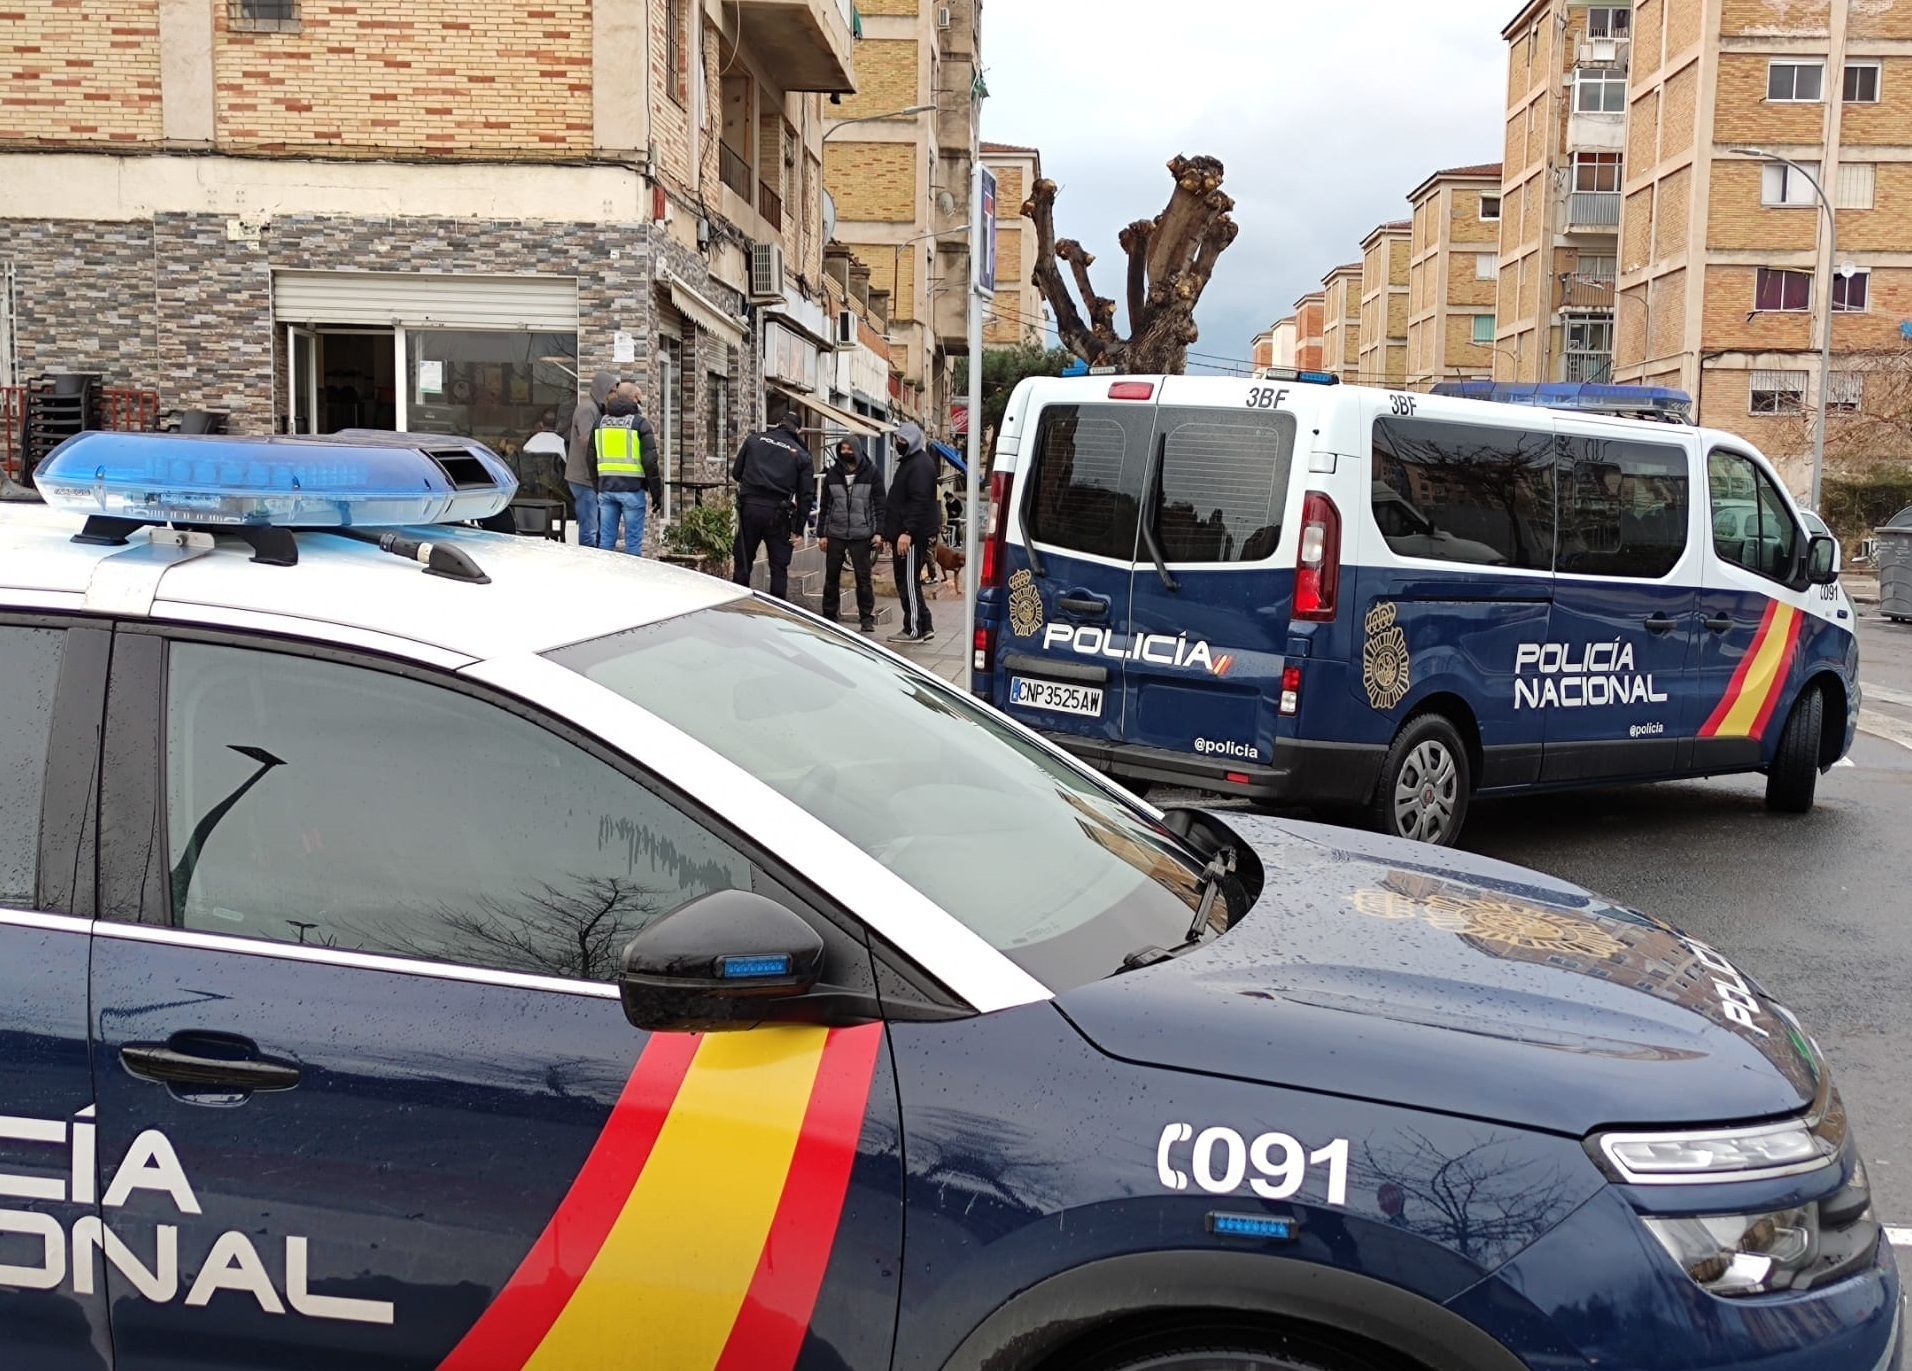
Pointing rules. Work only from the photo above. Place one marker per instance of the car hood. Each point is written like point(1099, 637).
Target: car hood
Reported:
point(1388, 970)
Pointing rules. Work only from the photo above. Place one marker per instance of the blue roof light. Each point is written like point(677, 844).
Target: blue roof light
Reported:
point(371, 481)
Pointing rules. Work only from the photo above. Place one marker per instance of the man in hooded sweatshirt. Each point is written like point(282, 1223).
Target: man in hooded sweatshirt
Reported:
point(580, 458)
point(912, 517)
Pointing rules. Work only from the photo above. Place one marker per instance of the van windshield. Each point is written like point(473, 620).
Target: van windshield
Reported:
point(1060, 872)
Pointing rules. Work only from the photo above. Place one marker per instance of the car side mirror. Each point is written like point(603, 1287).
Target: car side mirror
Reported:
point(1822, 560)
point(730, 960)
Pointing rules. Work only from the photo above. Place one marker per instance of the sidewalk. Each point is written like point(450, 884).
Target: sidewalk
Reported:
point(946, 656)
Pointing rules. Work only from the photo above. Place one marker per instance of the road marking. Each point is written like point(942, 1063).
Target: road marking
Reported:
point(1898, 1237)
point(1885, 726)
point(1845, 761)
point(1885, 694)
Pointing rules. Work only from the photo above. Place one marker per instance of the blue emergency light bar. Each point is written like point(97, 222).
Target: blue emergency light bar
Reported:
point(372, 481)
point(1658, 402)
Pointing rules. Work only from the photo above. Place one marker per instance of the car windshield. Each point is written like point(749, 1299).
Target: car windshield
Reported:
point(1049, 865)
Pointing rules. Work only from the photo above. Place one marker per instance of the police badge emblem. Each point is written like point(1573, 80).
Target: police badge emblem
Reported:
point(1386, 668)
point(1025, 605)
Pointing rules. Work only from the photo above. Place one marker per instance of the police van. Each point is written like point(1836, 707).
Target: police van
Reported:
point(423, 947)
point(1293, 590)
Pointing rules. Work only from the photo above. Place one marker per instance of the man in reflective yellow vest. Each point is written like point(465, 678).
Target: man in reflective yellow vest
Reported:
point(629, 473)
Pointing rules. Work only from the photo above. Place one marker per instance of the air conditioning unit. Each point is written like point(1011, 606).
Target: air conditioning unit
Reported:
point(1600, 52)
point(845, 328)
point(766, 272)
point(944, 17)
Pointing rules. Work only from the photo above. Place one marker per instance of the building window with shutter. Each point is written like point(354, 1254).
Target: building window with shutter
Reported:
point(263, 16)
point(1856, 185)
point(1483, 328)
point(1845, 392)
point(1776, 290)
point(1778, 392)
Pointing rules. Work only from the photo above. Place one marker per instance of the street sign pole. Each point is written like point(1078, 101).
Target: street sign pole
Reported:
point(982, 283)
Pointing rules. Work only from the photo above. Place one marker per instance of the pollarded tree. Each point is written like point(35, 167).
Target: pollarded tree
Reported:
point(1171, 258)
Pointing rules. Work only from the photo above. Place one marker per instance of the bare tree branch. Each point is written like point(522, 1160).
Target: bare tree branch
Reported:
point(1101, 308)
point(1040, 208)
point(1135, 242)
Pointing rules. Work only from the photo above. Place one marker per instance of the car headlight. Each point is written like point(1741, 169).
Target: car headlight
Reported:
point(1742, 1254)
point(1698, 1156)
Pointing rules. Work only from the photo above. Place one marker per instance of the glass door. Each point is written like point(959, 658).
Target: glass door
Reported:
point(670, 384)
point(302, 371)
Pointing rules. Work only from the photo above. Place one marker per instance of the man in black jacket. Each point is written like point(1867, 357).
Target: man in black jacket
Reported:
point(911, 520)
point(848, 520)
point(776, 485)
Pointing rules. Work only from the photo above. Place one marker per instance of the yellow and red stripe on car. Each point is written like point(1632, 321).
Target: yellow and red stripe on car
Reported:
point(1754, 691)
point(701, 1224)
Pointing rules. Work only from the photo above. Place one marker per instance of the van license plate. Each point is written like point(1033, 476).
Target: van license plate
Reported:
point(1051, 695)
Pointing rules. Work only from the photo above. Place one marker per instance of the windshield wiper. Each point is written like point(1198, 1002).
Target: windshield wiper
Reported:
point(1220, 867)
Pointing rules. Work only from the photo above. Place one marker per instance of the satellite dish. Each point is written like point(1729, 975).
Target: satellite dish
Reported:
point(829, 217)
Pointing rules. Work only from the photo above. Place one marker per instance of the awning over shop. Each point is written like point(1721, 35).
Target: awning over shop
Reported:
point(834, 417)
point(950, 455)
point(702, 311)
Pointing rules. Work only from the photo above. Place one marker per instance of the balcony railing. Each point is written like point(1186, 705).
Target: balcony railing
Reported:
point(1596, 367)
point(734, 171)
point(1593, 209)
point(770, 206)
point(1584, 292)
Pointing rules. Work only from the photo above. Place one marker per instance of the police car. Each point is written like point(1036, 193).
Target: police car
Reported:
point(425, 947)
point(1289, 589)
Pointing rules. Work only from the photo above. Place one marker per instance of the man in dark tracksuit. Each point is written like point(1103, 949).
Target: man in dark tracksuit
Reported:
point(911, 519)
point(848, 521)
point(776, 486)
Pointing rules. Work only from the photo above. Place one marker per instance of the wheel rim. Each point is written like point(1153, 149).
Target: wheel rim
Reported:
point(1426, 791)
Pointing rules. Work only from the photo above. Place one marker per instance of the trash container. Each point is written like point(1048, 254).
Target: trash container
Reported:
point(1895, 566)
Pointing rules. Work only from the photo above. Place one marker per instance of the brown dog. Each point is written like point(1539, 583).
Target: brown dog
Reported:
point(948, 562)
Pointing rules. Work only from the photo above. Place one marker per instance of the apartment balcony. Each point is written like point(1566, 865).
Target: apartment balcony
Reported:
point(734, 171)
point(1595, 367)
point(1584, 292)
point(770, 206)
point(806, 43)
point(1595, 210)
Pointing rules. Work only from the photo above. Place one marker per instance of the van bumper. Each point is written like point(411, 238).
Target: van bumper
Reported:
point(1303, 772)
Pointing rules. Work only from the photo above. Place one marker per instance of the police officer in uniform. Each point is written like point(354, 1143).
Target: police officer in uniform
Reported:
point(776, 486)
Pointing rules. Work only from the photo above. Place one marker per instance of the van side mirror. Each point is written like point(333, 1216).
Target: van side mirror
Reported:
point(731, 959)
point(1822, 560)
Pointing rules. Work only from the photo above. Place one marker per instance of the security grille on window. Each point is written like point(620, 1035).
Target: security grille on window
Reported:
point(1609, 21)
point(1600, 90)
point(675, 67)
point(1862, 83)
point(1596, 171)
point(1845, 391)
point(1850, 293)
point(1775, 289)
point(1796, 81)
point(1223, 484)
point(1778, 392)
point(1780, 184)
point(1087, 485)
point(264, 16)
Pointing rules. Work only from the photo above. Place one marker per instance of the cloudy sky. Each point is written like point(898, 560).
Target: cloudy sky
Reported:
point(1325, 114)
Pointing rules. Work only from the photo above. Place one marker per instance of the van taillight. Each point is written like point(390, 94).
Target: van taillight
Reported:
point(1318, 563)
point(996, 530)
point(983, 654)
point(1290, 691)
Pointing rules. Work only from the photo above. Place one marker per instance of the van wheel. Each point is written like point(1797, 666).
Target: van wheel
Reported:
point(1793, 778)
point(1228, 1358)
point(1424, 783)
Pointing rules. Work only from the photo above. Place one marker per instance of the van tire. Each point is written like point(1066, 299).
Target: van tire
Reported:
point(1793, 778)
point(1428, 760)
point(1192, 1354)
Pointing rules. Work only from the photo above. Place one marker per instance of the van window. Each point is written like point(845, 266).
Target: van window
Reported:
point(1752, 522)
point(1464, 493)
point(1089, 462)
point(1223, 484)
point(29, 670)
point(1623, 508)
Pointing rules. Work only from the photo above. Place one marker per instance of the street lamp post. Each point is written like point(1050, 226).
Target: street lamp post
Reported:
point(1825, 347)
point(843, 124)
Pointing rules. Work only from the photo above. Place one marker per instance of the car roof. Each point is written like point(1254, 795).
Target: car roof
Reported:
point(541, 594)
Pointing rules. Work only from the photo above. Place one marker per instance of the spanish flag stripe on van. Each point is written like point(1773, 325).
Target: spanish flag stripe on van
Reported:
point(1760, 679)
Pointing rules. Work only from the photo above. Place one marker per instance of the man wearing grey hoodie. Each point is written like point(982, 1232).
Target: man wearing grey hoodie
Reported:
point(580, 458)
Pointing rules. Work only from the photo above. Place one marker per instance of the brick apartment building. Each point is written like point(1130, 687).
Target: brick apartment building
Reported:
point(1309, 320)
point(312, 214)
point(1017, 315)
point(1385, 255)
point(1453, 268)
point(1341, 322)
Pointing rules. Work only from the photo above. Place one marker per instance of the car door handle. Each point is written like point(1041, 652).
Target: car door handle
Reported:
point(171, 1066)
point(1719, 623)
point(1659, 624)
point(1084, 606)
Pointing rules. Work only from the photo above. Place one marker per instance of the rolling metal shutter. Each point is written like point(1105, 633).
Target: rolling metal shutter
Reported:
point(425, 299)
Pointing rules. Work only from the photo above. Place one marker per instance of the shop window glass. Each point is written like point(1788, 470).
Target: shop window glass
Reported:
point(489, 384)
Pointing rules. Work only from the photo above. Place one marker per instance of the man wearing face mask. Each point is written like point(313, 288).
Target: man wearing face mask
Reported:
point(911, 519)
point(775, 490)
point(848, 521)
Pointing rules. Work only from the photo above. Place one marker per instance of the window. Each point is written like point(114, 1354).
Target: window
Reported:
point(1623, 508)
point(1599, 90)
point(1483, 328)
point(716, 414)
point(263, 16)
point(29, 671)
point(1461, 493)
point(1846, 392)
point(314, 802)
point(1778, 392)
point(1609, 21)
point(676, 67)
point(1486, 266)
point(1088, 478)
point(1849, 292)
point(1489, 208)
point(1596, 171)
point(1780, 184)
point(1777, 289)
point(1223, 485)
point(1796, 81)
point(1040, 858)
point(488, 384)
point(1589, 332)
point(1855, 185)
point(1752, 521)
point(1597, 266)
point(1862, 83)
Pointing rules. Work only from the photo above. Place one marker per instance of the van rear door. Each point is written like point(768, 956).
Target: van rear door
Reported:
point(1070, 560)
